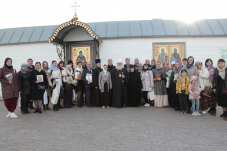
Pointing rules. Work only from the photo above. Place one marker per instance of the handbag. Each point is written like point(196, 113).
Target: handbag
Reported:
point(62, 94)
point(207, 91)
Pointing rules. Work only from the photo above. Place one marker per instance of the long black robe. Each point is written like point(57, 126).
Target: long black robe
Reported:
point(111, 70)
point(120, 97)
point(96, 94)
point(134, 89)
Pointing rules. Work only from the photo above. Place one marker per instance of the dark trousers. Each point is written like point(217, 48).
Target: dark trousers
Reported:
point(111, 96)
point(31, 103)
point(25, 100)
point(11, 104)
point(88, 94)
point(144, 94)
point(183, 101)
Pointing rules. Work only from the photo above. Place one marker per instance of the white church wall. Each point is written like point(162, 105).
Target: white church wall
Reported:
point(200, 47)
point(21, 52)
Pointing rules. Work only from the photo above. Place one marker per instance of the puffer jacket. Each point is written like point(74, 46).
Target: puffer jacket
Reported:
point(147, 80)
point(9, 90)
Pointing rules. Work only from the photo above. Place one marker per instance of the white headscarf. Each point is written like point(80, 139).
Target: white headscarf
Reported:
point(67, 71)
point(78, 69)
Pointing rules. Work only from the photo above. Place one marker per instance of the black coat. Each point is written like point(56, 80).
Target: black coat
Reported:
point(120, 97)
point(96, 93)
point(35, 93)
point(134, 89)
point(216, 83)
point(111, 70)
point(24, 82)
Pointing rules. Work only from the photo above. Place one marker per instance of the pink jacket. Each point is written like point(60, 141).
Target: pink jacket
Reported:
point(192, 93)
point(147, 80)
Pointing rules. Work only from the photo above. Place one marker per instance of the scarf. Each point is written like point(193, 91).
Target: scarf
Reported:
point(53, 68)
point(166, 68)
point(189, 65)
point(39, 70)
point(105, 71)
point(69, 73)
point(177, 70)
point(23, 71)
point(208, 68)
point(221, 72)
point(78, 69)
point(58, 66)
point(145, 65)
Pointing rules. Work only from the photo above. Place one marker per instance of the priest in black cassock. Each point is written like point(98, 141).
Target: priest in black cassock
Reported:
point(96, 93)
point(120, 81)
point(134, 87)
point(111, 69)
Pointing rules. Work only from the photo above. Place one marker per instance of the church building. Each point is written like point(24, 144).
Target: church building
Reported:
point(163, 40)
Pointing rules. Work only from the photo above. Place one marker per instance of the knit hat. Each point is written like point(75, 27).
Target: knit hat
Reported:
point(24, 64)
point(193, 78)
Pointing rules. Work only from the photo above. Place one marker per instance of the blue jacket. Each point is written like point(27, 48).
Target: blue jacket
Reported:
point(84, 76)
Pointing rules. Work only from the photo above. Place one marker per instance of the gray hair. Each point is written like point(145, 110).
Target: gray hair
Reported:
point(198, 63)
point(110, 59)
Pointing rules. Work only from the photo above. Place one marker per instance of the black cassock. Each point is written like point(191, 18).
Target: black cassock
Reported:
point(134, 89)
point(96, 94)
point(120, 97)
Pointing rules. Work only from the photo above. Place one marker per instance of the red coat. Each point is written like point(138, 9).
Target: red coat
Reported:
point(7, 90)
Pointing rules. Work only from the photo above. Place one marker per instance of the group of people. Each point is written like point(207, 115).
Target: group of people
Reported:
point(180, 86)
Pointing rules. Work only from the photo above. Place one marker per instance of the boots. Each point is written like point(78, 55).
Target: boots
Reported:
point(54, 107)
point(224, 114)
point(36, 110)
point(57, 107)
point(40, 111)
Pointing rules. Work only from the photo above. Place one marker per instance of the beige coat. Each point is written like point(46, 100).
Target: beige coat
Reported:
point(204, 78)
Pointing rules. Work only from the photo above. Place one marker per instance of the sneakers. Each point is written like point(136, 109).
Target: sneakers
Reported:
point(103, 107)
point(185, 112)
point(198, 113)
point(194, 113)
point(204, 112)
point(13, 115)
point(8, 114)
point(182, 112)
point(147, 105)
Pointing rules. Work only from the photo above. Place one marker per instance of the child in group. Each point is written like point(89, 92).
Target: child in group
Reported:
point(193, 97)
point(182, 91)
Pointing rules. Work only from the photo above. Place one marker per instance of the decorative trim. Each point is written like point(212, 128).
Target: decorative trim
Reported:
point(74, 23)
point(60, 51)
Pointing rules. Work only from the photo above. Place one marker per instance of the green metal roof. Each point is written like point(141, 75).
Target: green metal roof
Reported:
point(123, 29)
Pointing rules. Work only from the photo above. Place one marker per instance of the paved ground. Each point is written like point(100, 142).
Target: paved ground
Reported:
point(91, 129)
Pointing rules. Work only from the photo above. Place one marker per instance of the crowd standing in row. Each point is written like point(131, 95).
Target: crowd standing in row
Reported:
point(182, 87)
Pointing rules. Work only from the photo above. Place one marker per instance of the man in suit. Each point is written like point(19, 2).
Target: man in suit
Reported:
point(111, 69)
point(127, 64)
point(30, 69)
point(136, 61)
point(88, 87)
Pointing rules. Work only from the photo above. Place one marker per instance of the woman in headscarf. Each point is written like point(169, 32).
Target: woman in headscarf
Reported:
point(220, 86)
point(211, 68)
point(80, 84)
point(55, 88)
point(68, 86)
point(161, 97)
point(191, 70)
point(203, 75)
point(168, 73)
point(174, 99)
point(10, 89)
point(39, 86)
point(70, 62)
point(24, 87)
point(147, 81)
point(134, 87)
point(45, 67)
point(60, 66)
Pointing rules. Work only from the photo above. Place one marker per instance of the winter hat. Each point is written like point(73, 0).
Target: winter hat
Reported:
point(193, 78)
point(24, 64)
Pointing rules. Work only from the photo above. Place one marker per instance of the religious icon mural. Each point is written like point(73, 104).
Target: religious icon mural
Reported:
point(79, 53)
point(169, 52)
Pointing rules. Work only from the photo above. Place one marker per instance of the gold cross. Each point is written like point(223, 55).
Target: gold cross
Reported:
point(75, 6)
